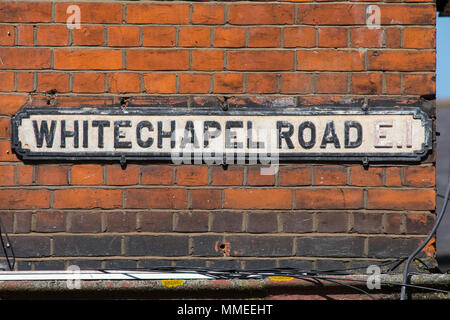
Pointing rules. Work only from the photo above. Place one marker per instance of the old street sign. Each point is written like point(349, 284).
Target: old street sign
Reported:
point(218, 136)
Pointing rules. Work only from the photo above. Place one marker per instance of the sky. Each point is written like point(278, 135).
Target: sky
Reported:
point(443, 58)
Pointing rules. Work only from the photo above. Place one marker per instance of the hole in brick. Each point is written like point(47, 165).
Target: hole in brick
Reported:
point(222, 246)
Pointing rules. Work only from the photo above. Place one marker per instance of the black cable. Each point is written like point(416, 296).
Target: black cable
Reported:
point(7, 246)
point(430, 235)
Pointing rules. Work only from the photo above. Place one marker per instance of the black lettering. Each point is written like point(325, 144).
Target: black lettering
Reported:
point(330, 136)
point(359, 134)
point(85, 134)
point(44, 133)
point(100, 124)
point(120, 134)
point(147, 143)
point(69, 134)
point(208, 134)
point(232, 134)
point(312, 141)
point(166, 134)
point(189, 136)
point(286, 135)
point(250, 143)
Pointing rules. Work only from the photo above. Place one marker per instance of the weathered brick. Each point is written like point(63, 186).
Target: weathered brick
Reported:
point(86, 174)
point(194, 83)
point(123, 36)
point(233, 175)
point(207, 246)
point(261, 246)
point(419, 223)
point(7, 35)
point(150, 59)
point(360, 176)
point(52, 35)
point(24, 174)
point(330, 246)
point(393, 177)
point(206, 198)
point(124, 82)
point(94, 12)
point(261, 83)
point(330, 60)
point(329, 198)
point(51, 175)
point(158, 36)
point(53, 81)
point(369, 222)
point(121, 221)
point(331, 14)
point(156, 198)
point(335, 37)
point(394, 199)
point(89, 82)
point(25, 58)
point(157, 174)
point(261, 60)
point(86, 246)
point(89, 35)
point(229, 37)
point(25, 12)
point(115, 175)
point(420, 176)
point(160, 83)
point(158, 13)
point(192, 175)
point(264, 37)
point(296, 222)
point(191, 221)
point(262, 222)
point(161, 245)
point(331, 83)
point(23, 222)
point(25, 81)
point(207, 60)
point(258, 199)
point(296, 83)
point(87, 59)
point(419, 84)
point(228, 83)
point(6, 175)
point(87, 198)
point(6, 81)
point(85, 222)
point(12, 103)
point(50, 221)
point(208, 14)
point(30, 246)
point(261, 13)
point(387, 247)
point(224, 221)
point(332, 222)
point(304, 37)
point(401, 60)
point(194, 37)
point(365, 37)
point(155, 221)
point(330, 175)
point(363, 83)
point(24, 199)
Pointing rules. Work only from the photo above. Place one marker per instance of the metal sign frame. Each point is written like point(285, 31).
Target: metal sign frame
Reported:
point(122, 156)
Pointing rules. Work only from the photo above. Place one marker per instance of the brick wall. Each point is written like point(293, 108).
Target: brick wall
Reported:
point(189, 53)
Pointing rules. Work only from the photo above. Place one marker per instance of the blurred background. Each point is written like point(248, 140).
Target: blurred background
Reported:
point(443, 140)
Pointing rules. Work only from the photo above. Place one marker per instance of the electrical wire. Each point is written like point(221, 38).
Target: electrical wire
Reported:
point(7, 246)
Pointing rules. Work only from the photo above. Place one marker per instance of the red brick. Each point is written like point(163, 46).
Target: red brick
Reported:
point(7, 35)
point(294, 175)
point(261, 60)
point(304, 37)
point(261, 13)
point(229, 37)
point(331, 14)
point(6, 175)
point(420, 176)
point(158, 13)
point(393, 83)
point(255, 178)
point(53, 81)
point(359, 176)
point(401, 14)
point(330, 175)
point(89, 36)
point(365, 37)
point(91, 12)
point(25, 12)
point(25, 58)
point(156, 36)
point(89, 222)
point(6, 81)
point(422, 84)
point(228, 83)
point(206, 198)
point(331, 83)
point(261, 83)
point(192, 175)
point(25, 35)
point(333, 37)
point(53, 221)
point(86, 174)
point(157, 59)
point(330, 60)
point(194, 83)
point(25, 81)
point(123, 36)
point(6, 153)
point(394, 199)
point(157, 174)
point(393, 37)
point(83, 59)
point(194, 37)
point(419, 223)
point(367, 83)
point(89, 82)
point(393, 177)
point(87, 198)
point(117, 176)
point(258, 199)
point(167, 198)
point(51, 175)
point(207, 60)
point(24, 175)
point(208, 14)
point(124, 82)
point(5, 130)
point(24, 199)
point(233, 175)
point(296, 83)
point(52, 35)
point(401, 60)
point(264, 37)
point(329, 198)
point(393, 223)
point(160, 83)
